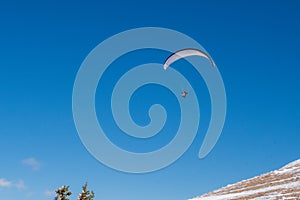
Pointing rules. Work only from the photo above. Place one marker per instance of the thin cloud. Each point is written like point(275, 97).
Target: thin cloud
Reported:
point(33, 163)
point(20, 185)
point(5, 183)
point(49, 193)
point(30, 194)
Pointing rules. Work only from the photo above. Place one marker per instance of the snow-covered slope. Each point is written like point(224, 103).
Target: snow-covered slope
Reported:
point(279, 184)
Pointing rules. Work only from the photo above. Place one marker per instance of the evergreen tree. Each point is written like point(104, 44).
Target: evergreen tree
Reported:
point(63, 193)
point(86, 194)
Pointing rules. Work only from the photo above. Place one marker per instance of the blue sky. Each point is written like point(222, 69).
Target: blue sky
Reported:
point(255, 45)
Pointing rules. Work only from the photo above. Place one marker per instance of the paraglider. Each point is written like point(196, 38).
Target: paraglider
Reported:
point(185, 53)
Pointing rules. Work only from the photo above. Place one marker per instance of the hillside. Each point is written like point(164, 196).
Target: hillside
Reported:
point(283, 183)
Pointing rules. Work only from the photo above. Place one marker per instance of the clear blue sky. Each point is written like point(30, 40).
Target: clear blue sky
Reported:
point(255, 44)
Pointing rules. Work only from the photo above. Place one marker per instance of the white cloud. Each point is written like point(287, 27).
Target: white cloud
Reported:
point(49, 193)
point(5, 183)
point(33, 163)
point(20, 185)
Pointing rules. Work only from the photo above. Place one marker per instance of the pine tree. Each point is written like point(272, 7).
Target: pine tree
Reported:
point(86, 194)
point(63, 193)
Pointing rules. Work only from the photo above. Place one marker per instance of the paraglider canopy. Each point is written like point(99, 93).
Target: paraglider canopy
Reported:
point(185, 53)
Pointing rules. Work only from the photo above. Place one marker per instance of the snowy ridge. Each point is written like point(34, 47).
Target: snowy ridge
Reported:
point(283, 183)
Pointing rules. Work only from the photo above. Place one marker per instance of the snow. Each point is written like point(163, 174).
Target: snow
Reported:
point(283, 183)
point(292, 164)
point(247, 193)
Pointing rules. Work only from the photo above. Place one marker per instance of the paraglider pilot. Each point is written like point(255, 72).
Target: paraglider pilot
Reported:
point(184, 93)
